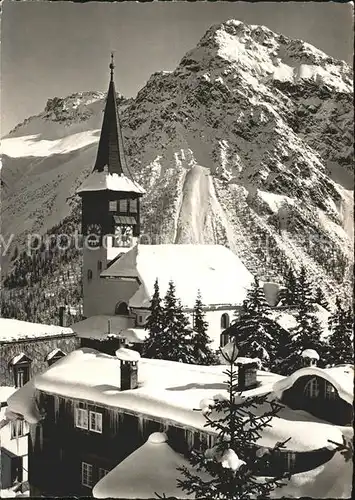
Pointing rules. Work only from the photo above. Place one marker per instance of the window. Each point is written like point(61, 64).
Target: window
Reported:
point(21, 375)
point(89, 274)
point(19, 428)
point(312, 388)
point(329, 391)
point(96, 421)
point(133, 206)
point(250, 377)
point(224, 339)
point(225, 321)
point(81, 418)
point(99, 265)
point(86, 474)
point(124, 206)
point(102, 473)
point(289, 458)
point(122, 309)
point(112, 206)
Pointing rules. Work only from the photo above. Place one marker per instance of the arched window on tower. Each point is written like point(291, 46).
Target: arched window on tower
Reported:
point(89, 274)
point(225, 322)
point(122, 309)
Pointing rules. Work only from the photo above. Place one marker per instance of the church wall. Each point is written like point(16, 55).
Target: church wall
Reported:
point(104, 294)
point(215, 328)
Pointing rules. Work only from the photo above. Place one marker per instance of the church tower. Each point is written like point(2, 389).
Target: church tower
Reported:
point(110, 203)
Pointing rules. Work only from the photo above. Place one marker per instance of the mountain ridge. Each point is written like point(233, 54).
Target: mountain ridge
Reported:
point(256, 126)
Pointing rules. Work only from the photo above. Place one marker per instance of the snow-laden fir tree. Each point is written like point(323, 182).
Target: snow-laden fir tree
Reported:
point(202, 353)
point(254, 332)
point(175, 340)
point(151, 345)
point(320, 299)
point(232, 468)
point(340, 348)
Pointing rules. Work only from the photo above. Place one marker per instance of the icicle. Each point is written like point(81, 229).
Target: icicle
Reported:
point(140, 425)
point(56, 408)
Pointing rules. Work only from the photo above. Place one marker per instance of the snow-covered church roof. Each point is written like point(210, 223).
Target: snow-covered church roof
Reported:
point(213, 269)
point(341, 377)
point(102, 181)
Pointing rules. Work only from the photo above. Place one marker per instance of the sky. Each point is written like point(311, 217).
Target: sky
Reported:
point(53, 49)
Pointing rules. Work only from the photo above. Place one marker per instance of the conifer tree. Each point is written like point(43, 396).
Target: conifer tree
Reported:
point(151, 345)
point(289, 294)
point(176, 334)
point(340, 348)
point(320, 299)
point(254, 332)
point(237, 466)
point(306, 335)
point(202, 353)
point(304, 292)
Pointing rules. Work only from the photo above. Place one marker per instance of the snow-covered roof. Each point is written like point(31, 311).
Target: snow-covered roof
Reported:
point(341, 377)
point(12, 330)
point(134, 335)
point(148, 471)
point(5, 392)
point(54, 353)
point(286, 318)
point(167, 389)
point(213, 269)
point(19, 357)
point(97, 327)
point(102, 181)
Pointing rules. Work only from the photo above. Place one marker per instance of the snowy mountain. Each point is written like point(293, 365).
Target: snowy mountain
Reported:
point(248, 143)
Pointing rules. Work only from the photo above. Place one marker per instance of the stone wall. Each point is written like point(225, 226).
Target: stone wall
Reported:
point(37, 350)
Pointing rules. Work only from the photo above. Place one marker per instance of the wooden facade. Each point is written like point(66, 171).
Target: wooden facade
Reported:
point(57, 448)
point(320, 398)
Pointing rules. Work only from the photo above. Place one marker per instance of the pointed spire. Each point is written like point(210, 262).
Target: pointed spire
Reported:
point(110, 153)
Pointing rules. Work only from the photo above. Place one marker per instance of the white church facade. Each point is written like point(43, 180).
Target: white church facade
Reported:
point(119, 272)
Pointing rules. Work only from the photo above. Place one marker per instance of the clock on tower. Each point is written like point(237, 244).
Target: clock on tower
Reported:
point(93, 234)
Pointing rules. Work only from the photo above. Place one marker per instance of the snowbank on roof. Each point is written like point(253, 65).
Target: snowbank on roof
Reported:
point(22, 403)
point(213, 269)
point(330, 480)
point(13, 330)
point(341, 377)
point(148, 471)
point(29, 145)
point(99, 181)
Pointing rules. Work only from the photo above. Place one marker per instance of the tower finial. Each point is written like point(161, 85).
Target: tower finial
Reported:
point(112, 66)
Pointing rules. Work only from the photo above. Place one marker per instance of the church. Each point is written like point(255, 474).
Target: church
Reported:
point(119, 271)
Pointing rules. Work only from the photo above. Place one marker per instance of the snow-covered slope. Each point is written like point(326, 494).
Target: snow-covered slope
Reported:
point(248, 143)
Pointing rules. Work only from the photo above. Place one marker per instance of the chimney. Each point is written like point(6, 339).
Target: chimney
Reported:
point(129, 368)
point(310, 357)
point(247, 369)
point(62, 316)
